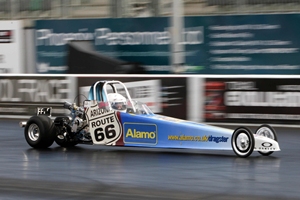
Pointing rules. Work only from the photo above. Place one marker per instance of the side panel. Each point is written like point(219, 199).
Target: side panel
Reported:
point(166, 132)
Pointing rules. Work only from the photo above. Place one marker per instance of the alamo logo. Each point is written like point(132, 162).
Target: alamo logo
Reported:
point(140, 133)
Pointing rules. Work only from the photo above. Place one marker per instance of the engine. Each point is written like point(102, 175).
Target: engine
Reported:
point(73, 127)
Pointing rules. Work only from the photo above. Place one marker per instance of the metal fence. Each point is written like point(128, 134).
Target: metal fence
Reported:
point(35, 9)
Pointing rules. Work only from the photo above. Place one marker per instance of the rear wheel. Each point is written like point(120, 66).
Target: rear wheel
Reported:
point(269, 132)
point(39, 132)
point(242, 142)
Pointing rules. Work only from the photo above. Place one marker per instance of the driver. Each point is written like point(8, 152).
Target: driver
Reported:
point(117, 102)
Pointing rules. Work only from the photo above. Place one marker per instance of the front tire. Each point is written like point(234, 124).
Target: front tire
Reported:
point(242, 142)
point(269, 132)
point(39, 132)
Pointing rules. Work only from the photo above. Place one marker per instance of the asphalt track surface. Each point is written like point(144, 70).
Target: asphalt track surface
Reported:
point(100, 172)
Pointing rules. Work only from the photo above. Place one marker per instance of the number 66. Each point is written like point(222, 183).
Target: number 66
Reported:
point(108, 133)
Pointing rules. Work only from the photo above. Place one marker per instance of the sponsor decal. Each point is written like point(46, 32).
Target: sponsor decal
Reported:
point(266, 144)
point(205, 138)
point(266, 148)
point(140, 133)
point(105, 127)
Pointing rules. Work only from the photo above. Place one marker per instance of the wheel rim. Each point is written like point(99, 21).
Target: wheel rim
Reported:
point(265, 131)
point(33, 132)
point(243, 142)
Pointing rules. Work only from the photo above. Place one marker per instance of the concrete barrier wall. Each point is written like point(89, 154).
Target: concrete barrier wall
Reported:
point(206, 98)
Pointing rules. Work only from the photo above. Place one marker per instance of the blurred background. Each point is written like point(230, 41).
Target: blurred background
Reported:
point(59, 9)
point(167, 51)
point(150, 36)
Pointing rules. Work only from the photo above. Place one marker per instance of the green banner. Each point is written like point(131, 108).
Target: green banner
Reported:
point(230, 44)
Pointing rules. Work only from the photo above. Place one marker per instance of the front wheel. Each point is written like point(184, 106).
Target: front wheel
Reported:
point(242, 142)
point(39, 132)
point(269, 132)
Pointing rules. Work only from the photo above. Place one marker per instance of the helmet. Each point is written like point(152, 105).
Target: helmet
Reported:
point(117, 102)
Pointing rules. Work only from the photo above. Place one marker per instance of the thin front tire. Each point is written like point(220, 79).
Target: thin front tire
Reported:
point(269, 132)
point(242, 142)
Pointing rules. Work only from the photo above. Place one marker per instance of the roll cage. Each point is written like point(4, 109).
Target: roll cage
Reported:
point(99, 90)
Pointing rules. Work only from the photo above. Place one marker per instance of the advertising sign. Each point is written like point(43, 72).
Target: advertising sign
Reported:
point(11, 47)
point(145, 41)
point(229, 44)
point(249, 44)
point(252, 100)
point(21, 96)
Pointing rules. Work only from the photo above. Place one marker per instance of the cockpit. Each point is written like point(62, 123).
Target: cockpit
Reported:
point(113, 95)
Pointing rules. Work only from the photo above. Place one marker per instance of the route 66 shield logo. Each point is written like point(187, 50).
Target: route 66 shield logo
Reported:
point(105, 127)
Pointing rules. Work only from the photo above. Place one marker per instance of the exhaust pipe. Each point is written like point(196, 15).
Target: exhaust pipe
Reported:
point(22, 124)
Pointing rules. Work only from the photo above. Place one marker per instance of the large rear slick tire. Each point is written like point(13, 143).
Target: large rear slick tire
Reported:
point(242, 142)
point(39, 132)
